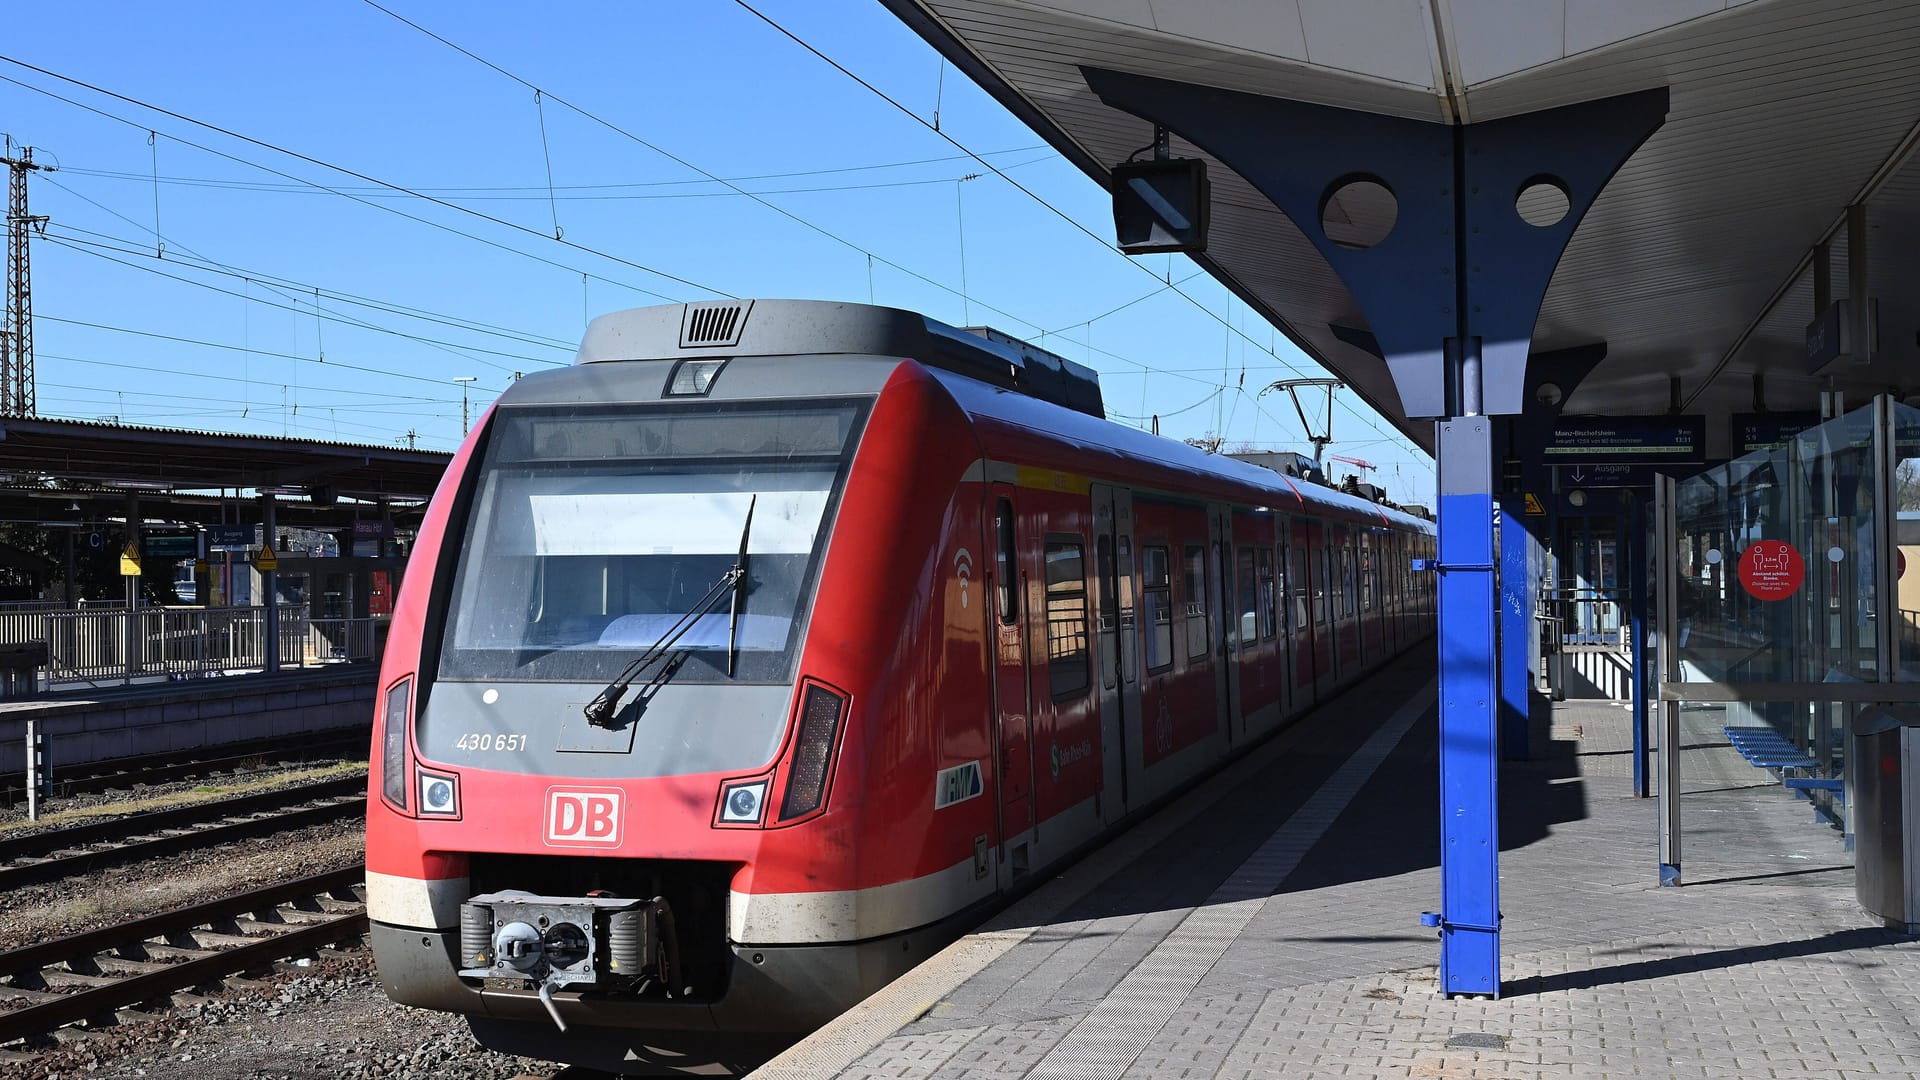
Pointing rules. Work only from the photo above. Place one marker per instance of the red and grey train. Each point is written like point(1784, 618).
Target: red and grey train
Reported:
point(760, 649)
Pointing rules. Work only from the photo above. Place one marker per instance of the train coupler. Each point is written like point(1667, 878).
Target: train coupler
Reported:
point(583, 943)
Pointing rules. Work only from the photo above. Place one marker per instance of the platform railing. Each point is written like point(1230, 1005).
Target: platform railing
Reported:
point(1909, 631)
point(89, 648)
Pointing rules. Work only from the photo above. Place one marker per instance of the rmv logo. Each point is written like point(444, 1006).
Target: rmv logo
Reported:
point(584, 816)
point(956, 785)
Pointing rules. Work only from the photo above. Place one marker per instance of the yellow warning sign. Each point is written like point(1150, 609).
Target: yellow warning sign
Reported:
point(1534, 509)
point(266, 560)
point(130, 561)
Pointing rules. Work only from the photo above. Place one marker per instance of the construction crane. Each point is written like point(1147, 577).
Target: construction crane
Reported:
point(1354, 461)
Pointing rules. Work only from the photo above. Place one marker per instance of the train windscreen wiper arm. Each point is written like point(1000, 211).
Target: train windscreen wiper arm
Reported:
point(739, 587)
point(601, 709)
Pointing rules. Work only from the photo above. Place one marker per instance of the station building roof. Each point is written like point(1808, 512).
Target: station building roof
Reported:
point(93, 467)
point(1694, 262)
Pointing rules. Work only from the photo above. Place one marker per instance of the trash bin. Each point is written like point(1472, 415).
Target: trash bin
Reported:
point(1884, 764)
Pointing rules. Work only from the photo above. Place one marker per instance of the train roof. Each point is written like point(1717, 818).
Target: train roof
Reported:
point(1173, 459)
point(804, 327)
point(999, 380)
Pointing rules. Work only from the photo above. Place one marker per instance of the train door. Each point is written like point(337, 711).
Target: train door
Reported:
point(1012, 728)
point(1120, 728)
point(1389, 550)
point(1226, 674)
point(1373, 601)
point(1341, 593)
point(1299, 604)
point(1326, 671)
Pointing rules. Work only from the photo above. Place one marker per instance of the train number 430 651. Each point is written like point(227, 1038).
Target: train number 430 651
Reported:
point(486, 740)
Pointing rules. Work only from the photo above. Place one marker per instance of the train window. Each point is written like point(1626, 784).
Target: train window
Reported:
point(1066, 618)
point(595, 532)
point(1269, 605)
point(1195, 595)
point(1109, 590)
point(1103, 567)
point(1347, 584)
point(1156, 608)
point(1298, 592)
point(1249, 597)
point(1321, 583)
point(1366, 571)
point(1006, 575)
point(1126, 609)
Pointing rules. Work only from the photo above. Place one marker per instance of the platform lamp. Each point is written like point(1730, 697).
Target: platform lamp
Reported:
point(1162, 204)
point(463, 380)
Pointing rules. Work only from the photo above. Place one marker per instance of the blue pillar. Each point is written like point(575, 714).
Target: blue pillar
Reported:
point(1469, 746)
point(1451, 295)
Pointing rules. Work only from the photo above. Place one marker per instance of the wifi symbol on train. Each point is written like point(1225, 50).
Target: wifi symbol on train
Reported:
point(963, 567)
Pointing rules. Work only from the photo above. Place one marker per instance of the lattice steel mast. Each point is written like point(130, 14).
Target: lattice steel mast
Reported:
point(16, 330)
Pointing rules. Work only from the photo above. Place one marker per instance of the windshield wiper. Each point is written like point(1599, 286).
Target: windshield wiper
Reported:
point(740, 586)
point(601, 709)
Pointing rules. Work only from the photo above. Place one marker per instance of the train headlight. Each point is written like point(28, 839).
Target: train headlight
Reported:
point(439, 795)
point(743, 802)
point(694, 378)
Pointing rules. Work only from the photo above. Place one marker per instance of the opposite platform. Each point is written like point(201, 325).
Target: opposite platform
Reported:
point(1266, 925)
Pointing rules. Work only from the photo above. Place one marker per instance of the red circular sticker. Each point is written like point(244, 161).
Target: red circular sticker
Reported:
point(1771, 570)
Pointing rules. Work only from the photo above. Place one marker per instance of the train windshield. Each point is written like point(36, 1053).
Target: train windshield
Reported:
point(591, 532)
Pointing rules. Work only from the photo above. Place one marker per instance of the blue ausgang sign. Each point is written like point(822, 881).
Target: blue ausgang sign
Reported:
point(230, 537)
point(1769, 431)
point(1627, 440)
point(1605, 476)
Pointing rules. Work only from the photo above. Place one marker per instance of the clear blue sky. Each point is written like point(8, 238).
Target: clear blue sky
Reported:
point(248, 237)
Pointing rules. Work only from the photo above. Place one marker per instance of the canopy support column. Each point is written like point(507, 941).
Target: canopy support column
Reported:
point(1451, 293)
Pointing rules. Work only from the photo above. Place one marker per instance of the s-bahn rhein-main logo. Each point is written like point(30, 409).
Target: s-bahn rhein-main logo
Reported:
point(585, 817)
point(956, 785)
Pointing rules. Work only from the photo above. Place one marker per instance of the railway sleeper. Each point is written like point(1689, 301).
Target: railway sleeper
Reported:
point(163, 950)
point(282, 922)
point(215, 941)
point(56, 977)
point(107, 963)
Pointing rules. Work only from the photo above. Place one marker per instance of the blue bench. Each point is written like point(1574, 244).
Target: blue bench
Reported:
point(1765, 748)
point(1815, 783)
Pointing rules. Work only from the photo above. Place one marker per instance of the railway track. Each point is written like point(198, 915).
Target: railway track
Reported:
point(59, 853)
point(122, 773)
point(91, 976)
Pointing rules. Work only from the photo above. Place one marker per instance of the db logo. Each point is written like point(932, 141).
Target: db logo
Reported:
point(584, 816)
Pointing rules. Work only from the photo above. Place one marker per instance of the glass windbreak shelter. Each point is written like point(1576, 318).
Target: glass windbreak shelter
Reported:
point(1776, 594)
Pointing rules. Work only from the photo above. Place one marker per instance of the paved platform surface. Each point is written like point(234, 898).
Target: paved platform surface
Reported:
point(1266, 925)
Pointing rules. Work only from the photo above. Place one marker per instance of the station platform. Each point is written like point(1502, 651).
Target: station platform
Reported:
point(83, 727)
point(1266, 925)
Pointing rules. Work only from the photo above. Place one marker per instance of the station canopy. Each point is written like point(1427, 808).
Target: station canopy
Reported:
point(1696, 261)
point(52, 470)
